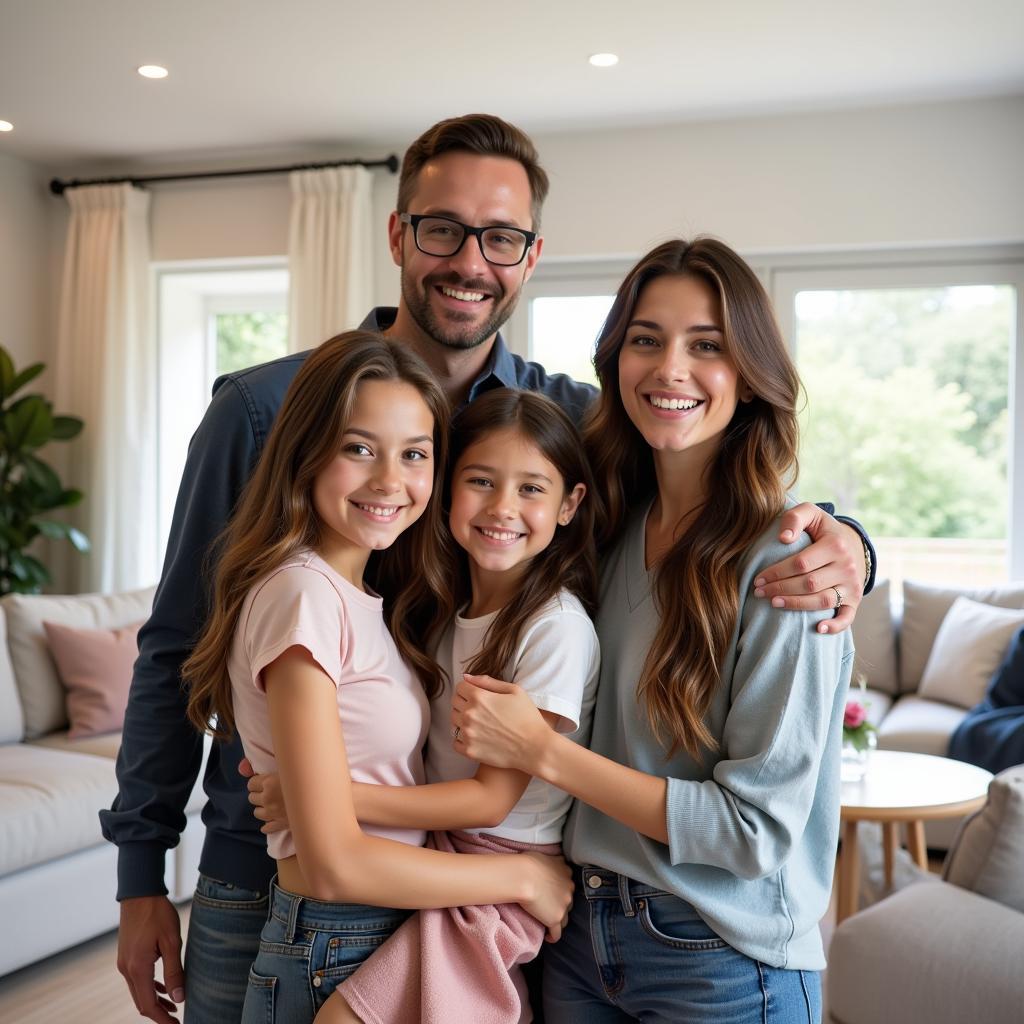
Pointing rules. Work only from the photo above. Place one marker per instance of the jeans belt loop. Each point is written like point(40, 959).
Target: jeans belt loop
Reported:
point(293, 916)
point(626, 897)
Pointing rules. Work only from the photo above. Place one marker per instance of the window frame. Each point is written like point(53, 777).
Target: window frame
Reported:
point(786, 272)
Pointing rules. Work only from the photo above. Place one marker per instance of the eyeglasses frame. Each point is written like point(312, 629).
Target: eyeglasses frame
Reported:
point(413, 220)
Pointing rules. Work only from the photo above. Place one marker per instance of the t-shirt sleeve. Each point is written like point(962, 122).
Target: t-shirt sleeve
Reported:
point(558, 656)
point(297, 607)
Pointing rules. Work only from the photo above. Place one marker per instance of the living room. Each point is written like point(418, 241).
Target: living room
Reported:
point(865, 162)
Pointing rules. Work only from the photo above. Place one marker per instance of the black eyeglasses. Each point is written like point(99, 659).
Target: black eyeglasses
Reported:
point(442, 236)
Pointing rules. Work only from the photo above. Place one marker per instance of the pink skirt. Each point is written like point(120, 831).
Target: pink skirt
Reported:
point(454, 964)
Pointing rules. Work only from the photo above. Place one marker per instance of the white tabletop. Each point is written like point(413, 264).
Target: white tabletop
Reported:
point(922, 785)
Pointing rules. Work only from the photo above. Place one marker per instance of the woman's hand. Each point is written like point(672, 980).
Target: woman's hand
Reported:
point(808, 580)
point(497, 723)
point(266, 799)
point(551, 879)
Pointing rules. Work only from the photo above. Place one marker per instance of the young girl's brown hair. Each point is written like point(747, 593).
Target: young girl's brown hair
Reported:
point(569, 562)
point(276, 518)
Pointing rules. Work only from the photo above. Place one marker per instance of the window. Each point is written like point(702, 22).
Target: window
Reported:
point(911, 389)
point(913, 368)
point(212, 320)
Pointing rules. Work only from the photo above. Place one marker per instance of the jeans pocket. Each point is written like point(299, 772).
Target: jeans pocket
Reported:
point(228, 896)
point(259, 999)
point(673, 922)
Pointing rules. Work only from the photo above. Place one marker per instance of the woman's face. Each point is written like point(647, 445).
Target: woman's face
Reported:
point(678, 385)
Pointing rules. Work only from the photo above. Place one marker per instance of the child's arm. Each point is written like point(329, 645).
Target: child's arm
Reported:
point(483, 801)
point(343, 864)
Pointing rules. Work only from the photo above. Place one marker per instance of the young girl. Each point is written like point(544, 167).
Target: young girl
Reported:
point(322, 685)
point(525, 585)
point(708, 803)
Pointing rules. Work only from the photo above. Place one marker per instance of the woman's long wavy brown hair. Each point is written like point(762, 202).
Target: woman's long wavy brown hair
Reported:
point(569, 562)
point(696, 587)
point(275, 517)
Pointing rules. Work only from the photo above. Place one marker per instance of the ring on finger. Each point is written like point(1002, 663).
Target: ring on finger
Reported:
point(839, 599)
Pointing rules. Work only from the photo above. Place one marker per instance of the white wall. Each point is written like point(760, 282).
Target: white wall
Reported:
point(928, 174)
point(27, 294)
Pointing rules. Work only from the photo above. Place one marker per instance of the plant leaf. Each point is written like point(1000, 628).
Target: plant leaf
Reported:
point(29, 373)
point(28, 423)
point(79, 539)
point(41, 474)
point(6, 372)
point(65, 428)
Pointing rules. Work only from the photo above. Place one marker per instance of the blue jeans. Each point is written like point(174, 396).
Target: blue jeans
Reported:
point(223, 939)
point(632, 952)
point(306, 950)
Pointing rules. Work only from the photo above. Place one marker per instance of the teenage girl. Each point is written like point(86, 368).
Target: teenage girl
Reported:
point(707, 817)
point(525, 586)
point(325, 680)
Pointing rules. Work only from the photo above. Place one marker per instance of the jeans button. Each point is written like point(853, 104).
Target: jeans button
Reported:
point(594, 881)
point(317, 982)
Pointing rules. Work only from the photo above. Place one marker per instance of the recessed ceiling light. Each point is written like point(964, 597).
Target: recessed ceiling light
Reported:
point(604, 60)
point(152, 71)
point(6, 126)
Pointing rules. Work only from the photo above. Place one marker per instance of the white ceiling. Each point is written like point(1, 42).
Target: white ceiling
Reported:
point(264, 74)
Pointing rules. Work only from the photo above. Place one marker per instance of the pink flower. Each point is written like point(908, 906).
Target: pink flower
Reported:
point(854, 716)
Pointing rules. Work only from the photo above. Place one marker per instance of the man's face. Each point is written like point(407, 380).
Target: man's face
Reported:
point(461, 301)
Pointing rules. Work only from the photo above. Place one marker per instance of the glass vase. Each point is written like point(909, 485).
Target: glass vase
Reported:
point(854, 765)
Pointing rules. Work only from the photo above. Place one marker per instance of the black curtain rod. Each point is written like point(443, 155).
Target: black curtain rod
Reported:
point(57, 186)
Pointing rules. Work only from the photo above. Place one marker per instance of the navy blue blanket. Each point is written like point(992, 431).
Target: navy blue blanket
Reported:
point(992, 734)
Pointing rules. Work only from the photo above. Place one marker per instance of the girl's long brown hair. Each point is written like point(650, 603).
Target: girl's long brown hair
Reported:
point(569, 562)
point(275, 517)
point(696, 587)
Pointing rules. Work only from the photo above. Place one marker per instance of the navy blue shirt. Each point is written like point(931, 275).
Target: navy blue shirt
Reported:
point(161, 751)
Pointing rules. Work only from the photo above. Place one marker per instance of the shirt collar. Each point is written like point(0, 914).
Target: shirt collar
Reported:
point(500, 371)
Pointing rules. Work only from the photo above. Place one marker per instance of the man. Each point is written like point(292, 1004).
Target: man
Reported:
point(465, 234)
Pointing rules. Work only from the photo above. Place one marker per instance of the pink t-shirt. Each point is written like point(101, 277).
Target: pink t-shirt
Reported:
point(384, 711)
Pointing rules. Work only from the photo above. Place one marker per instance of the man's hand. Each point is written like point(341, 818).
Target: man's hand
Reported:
point(809, 579)
point(150, 930)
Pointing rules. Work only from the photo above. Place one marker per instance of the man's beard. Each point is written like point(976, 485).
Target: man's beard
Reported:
point(455, 330)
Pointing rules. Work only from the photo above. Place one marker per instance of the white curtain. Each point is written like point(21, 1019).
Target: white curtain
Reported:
point(106, 374)
point(330, 253)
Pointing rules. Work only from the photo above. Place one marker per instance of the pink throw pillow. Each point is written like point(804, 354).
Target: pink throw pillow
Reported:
point(95, 666)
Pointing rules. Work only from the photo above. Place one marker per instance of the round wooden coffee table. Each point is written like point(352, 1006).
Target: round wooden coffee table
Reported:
point(908, 788)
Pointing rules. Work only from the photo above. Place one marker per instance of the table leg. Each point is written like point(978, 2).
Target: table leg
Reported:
point(849, 873)
point(889, 844)
point(916, 844)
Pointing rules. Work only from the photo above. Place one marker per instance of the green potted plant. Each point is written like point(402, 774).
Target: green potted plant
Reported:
point(29, 488)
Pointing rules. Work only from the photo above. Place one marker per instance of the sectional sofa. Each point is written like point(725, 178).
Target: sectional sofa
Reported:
point(57, 874)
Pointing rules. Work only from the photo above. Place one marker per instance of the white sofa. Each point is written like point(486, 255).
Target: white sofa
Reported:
point(58, 875)
point(894, 633)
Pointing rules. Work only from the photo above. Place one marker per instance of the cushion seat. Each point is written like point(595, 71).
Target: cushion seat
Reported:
point(919, 726)
point(49, 803)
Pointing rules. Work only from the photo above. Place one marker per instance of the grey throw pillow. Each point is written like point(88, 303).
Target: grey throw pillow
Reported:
point(986, 854)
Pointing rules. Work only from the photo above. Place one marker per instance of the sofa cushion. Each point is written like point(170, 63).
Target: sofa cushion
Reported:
point(12, 722)
point(986, 856)
point(105, 745)
point(95, 666)
point(924, 608)
point(874, 637)
point(919, 726)
point(49, 803)
point(969, 646)
point(42, 696)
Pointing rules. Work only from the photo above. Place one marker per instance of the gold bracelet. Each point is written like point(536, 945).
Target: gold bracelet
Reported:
point(867, 560)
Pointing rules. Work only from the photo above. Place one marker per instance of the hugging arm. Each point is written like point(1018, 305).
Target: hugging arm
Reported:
point(840, 557)
point(341, 863)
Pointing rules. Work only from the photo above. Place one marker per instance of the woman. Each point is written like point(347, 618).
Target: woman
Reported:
point(708, 803)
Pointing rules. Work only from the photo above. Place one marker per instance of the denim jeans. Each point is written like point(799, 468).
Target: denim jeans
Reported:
point(306, 950)
point(631, 952)
point(223, 939)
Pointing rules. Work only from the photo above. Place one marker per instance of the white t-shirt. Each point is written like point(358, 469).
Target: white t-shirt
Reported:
point(382, 705)
point(556, 662)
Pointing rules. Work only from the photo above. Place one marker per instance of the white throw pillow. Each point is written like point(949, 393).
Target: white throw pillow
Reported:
point(968, 648)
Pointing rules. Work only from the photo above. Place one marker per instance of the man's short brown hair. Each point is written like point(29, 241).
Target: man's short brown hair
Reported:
point(483, 134)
